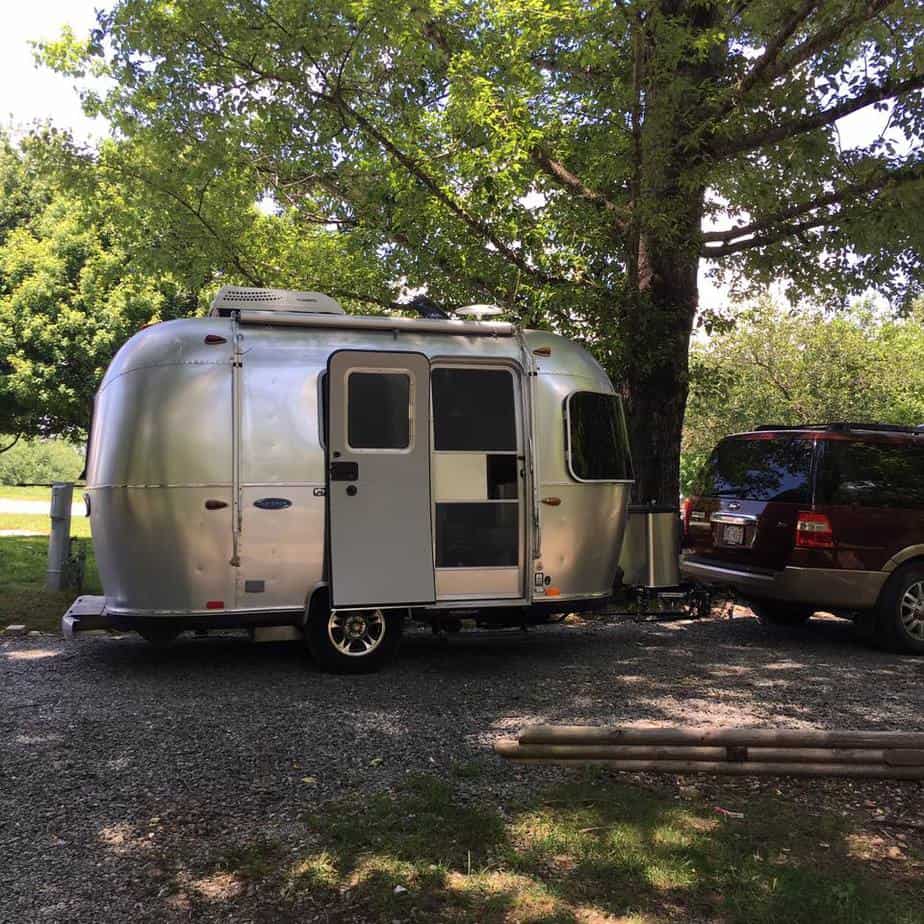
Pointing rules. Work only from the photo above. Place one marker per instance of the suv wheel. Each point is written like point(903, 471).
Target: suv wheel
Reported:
point(770, 613)
point(353, 641)
point(900, 624)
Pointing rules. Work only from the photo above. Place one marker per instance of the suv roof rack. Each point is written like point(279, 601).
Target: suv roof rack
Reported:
point(842, 425)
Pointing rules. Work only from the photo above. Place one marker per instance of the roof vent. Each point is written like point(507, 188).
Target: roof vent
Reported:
point(479, 312)
point(230, 298)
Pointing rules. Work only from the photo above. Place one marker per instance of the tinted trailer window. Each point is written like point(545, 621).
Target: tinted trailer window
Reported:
point(597, 439)
point(760, 470)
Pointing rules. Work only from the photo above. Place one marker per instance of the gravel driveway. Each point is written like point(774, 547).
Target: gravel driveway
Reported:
point(124, 768)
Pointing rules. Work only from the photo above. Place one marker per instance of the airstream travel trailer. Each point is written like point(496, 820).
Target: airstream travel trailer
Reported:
point(282, 463)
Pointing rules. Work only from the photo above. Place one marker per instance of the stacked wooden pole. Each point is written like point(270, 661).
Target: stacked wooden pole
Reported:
point(729, 751)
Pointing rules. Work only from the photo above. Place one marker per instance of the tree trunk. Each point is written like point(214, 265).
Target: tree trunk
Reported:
point(655, 381)
point(669, 194)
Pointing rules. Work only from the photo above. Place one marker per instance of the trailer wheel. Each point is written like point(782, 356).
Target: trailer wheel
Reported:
point(353, 641)
point(900, 622)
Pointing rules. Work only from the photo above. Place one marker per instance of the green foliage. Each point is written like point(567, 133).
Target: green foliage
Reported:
point(23, 560)
point(39, 461)
point(557, 158)
point(789, 368)
point(70, 292)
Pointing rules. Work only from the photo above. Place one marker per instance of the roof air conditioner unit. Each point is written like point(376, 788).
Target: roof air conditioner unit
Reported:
point(232, 298)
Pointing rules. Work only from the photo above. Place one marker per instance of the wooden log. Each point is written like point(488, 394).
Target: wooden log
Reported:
point(862, 756)
point(747, 768)
point(719, 737)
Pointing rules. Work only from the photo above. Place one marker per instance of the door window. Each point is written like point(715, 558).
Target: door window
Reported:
point(473, 410)
point(379, 410)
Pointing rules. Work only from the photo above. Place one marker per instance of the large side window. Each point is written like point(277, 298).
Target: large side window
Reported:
point(872, 474)
point(378, 410)
point(473, 410)
point(598, 444)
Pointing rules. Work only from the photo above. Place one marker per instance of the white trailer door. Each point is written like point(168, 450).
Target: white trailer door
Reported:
point(378, 456)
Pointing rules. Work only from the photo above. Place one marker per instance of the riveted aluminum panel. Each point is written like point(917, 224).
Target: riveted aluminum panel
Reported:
point(282, 547)
point(280, 419)
point(159, 549)
point(163, 425)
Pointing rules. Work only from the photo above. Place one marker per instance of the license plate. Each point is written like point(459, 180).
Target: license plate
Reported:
point(733, 535)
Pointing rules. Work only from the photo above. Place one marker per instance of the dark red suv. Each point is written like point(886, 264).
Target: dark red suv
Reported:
point(802, 519)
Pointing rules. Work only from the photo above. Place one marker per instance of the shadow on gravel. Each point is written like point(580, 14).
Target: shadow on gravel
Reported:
point(124, 768)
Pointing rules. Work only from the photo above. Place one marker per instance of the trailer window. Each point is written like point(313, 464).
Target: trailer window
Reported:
point(473, 410)
point(378, 410)
point(597, 443)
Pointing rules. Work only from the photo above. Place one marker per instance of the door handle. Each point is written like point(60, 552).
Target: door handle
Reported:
point(344, 471)
point(351, 490)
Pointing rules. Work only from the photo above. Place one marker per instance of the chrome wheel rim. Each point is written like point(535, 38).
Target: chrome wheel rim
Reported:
point(356, 633)
point(911, 610)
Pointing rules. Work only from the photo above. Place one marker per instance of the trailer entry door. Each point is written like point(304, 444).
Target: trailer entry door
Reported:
point(378, 456)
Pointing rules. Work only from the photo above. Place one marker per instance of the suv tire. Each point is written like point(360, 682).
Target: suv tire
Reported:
point(771, 613)
point(353, 641)
point(900, 612)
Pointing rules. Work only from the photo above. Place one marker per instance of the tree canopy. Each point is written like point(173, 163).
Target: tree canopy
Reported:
point(781, 367)
point(572, 161)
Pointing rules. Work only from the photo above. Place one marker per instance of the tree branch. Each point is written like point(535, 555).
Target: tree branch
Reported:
point(767, 59)
point(779, 234)
point(481, 228)
point(16, 439)
point(825, 37)
point(873, 94)
point(565, 178)
point(838, 196)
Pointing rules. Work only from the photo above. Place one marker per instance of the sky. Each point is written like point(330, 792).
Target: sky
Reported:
point(29, 93)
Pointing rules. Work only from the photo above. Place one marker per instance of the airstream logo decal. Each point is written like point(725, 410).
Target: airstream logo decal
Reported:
point(272, 503)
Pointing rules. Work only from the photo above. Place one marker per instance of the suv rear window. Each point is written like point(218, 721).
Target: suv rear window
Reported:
point(872, 474)
point(759, 469)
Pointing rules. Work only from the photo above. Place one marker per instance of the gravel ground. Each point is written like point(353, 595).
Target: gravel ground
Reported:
point(124, 769)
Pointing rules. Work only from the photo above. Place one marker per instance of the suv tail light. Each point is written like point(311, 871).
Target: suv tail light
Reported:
point(813, 531)
point(686, 508)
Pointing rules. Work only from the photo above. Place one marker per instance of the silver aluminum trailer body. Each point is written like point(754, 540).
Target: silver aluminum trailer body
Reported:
point(217, 498)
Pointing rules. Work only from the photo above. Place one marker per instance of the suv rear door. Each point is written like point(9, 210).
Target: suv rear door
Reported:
point(747, 498)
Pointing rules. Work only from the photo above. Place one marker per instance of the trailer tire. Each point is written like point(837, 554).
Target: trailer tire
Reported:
point(900, 617)
point(769, 613)
point(353, 641)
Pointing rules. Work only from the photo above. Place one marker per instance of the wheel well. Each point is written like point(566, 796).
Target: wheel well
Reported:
point(907, 563)
point(318, 602)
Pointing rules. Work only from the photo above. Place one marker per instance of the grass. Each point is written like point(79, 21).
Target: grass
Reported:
point(23, 560)
point(594, 850)
point(12, 492)
point(41, 524)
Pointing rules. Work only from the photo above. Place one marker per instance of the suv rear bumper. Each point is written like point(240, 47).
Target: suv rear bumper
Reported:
point(838, 588)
